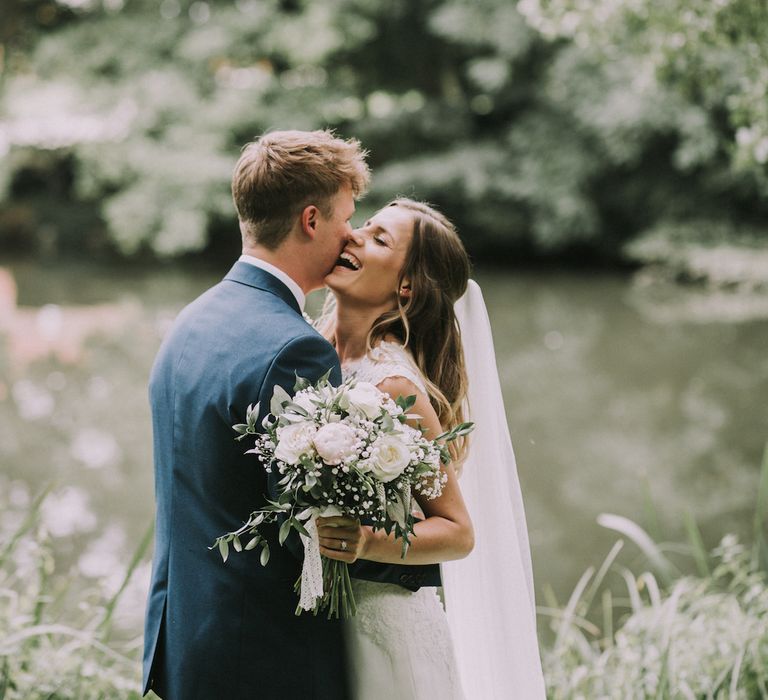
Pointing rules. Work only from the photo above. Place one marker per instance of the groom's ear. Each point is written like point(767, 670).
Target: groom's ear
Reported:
point(309, 217)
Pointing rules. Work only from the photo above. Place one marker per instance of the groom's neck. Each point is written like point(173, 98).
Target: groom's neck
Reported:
point(287, 260)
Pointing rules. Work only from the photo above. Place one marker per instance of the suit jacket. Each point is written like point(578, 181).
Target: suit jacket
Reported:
point(228, 630)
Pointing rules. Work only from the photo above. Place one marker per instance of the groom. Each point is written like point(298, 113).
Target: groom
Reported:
point(228, 630)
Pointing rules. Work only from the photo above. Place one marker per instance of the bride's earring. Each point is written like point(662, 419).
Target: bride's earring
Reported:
point(405, 292)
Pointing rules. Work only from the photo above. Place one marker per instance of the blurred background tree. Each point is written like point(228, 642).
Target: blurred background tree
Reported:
point(545, 129)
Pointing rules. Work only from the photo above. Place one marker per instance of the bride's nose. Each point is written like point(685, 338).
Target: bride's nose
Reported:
point(356, 236)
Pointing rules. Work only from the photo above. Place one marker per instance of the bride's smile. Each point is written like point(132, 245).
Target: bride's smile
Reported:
point(369, 268)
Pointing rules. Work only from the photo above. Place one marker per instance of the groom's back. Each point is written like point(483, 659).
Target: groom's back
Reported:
point(219, 629)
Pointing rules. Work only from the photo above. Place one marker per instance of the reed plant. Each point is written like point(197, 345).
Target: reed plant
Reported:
point(55, 630)
point(702, 637)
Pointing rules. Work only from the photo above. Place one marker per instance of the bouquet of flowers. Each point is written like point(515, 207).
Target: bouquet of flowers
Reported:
point(345, 450)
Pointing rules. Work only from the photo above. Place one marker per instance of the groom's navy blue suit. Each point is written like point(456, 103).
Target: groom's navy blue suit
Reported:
point(227, 630)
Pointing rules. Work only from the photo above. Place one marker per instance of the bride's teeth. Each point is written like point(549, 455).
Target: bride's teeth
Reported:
point(354, 264)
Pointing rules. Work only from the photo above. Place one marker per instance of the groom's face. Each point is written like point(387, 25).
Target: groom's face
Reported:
point(333, 232)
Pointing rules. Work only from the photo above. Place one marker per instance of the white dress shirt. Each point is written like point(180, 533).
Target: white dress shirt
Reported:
point(277, 272)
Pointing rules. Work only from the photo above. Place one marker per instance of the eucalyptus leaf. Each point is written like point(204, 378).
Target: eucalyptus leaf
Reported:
point(280, 397)
point(223, 549)
point(295, 408)
point(298, 526)
point(300, 384)
point(264, 558)
point(285, 529)
point(396, 509)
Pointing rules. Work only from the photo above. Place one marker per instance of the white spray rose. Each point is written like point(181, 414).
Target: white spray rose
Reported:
point(294, 440)
point(365, 398)
point(335, 442)
point(389, 457)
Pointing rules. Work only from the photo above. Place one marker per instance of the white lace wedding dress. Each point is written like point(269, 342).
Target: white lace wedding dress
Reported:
point(399, 642)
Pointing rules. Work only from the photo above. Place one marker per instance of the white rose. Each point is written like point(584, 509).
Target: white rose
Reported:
point(294, 440)
point(389, 457)
point(366, 398)
point(335, 442)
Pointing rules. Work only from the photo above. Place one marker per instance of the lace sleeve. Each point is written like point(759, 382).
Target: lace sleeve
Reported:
point(386, 361)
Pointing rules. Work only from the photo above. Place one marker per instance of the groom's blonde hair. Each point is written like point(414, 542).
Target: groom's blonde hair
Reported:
point(283, 172)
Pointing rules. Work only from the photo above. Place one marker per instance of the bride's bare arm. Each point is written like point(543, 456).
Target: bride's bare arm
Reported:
point(446, 532)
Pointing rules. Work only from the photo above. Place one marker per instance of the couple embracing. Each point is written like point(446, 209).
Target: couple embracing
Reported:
point(401, 314)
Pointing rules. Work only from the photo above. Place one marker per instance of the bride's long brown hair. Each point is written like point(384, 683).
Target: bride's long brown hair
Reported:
point(437, 269)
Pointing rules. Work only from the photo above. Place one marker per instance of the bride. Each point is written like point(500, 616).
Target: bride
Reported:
point(404, 316)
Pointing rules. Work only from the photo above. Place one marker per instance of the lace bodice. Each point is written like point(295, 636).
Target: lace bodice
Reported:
point(399, 641)
point(384, 361)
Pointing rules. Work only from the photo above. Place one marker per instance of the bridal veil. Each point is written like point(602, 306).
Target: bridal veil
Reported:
point(489, 595)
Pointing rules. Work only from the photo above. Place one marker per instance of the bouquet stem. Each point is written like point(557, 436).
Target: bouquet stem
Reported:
point(338, 597)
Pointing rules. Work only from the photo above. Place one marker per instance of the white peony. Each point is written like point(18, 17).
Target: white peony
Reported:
point(294, 440)
point(335, 442)
point(305, 402)
point(365, 398)
point(389, 457)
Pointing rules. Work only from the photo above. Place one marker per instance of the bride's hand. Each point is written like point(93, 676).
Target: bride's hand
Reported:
point(342, 538)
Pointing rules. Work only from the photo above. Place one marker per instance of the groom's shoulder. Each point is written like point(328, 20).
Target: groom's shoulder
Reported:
point(229, 309)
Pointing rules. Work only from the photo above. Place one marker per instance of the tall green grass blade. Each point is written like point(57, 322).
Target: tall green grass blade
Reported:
point(26, 525)
point(634, 597)
point(651, 515)
point(550, 598)
point(86, 638)
point(607, 618)
point(4, 678)
point(600, 576)
point(569, 611)
point(138, 555)
point(654, 593)
point(761, 513)
point(641, 538)
point(576, 620)
point(697, 544)
point(735, 673)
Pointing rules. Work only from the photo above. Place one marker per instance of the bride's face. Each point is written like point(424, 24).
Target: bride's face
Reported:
point(369, 268)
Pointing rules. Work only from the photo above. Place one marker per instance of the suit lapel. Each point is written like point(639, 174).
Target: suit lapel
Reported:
point(255, 277)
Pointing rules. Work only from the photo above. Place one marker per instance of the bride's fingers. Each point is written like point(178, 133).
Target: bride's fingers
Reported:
point(339, 533)
point(340, 543)
point(349, 556)
point(338, 521)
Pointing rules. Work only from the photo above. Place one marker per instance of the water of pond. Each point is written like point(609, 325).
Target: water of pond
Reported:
point(619, 399)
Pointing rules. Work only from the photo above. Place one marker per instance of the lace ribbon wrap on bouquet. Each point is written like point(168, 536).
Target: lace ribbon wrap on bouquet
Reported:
point(312, 568)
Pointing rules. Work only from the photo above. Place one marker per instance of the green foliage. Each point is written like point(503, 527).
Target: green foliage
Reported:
point(52, 648)
point(711, 55)
point(541, 127)
point(698, 638)
point(706, 251)
point(687, 637)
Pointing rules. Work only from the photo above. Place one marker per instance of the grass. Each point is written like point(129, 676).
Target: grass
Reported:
point(48, 650)
point(673, 636)
point(702, 637)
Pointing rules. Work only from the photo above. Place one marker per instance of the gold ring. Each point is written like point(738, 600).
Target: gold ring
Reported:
point(343, 545)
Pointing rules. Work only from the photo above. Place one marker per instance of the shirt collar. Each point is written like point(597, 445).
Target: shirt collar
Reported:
point(277, 272)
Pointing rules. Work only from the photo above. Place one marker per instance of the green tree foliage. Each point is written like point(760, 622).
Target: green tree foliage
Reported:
point(539, 127)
